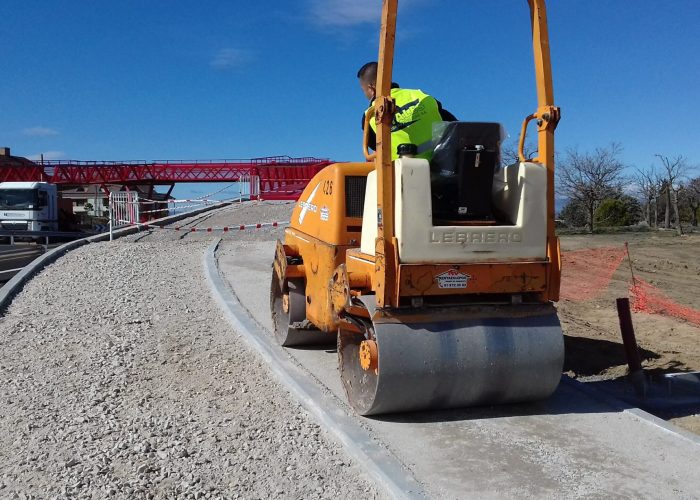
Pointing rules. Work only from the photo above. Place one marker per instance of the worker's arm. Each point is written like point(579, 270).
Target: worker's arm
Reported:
point(371, 137)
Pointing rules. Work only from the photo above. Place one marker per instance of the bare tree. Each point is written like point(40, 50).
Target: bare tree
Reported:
point(590, 178)
point(648, 186)
point(690, 196)
point(666, 192)
point(674, 171)
point(509, 151)
point(658, 178)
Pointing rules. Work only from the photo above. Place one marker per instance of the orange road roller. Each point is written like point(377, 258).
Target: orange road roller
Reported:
point(437, 279)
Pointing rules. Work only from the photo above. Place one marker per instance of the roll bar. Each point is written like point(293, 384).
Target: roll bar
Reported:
point(546, 116)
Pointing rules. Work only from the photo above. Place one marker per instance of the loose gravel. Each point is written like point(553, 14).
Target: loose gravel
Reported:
point(119, 378)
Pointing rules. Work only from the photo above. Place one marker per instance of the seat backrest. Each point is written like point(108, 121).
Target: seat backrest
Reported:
point(520, 196)
point(465, 157)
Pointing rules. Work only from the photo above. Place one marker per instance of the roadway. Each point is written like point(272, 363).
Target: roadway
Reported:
point(14, 257)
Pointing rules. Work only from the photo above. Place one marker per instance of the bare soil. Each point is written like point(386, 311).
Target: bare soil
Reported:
point(594, 348)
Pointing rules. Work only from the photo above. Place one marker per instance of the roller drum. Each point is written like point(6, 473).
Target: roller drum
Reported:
point(515, 354)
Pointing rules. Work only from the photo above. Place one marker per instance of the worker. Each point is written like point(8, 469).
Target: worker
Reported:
point(415, 114)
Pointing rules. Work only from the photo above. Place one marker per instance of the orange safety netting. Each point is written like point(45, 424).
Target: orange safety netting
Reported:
point(647, 298)
point(586, 273)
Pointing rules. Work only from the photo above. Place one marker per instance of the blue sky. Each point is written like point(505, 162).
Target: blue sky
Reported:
point(233, 79)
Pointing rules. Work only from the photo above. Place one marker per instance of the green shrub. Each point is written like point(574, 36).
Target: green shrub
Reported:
point(613, 213)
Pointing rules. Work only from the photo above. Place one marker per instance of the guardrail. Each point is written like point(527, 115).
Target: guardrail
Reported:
point(42, 235)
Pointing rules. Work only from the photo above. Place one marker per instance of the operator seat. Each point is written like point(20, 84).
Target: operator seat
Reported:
point(461, 172)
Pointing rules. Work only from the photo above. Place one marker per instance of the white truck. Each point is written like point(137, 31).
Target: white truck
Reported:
point(33, 206)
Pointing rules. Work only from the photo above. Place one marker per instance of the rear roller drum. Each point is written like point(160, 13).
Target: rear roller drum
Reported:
point(288, 309)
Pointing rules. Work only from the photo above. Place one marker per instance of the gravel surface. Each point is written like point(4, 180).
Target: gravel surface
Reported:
point(120, 378)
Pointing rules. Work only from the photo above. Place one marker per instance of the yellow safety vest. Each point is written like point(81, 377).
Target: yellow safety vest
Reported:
point(416, 112)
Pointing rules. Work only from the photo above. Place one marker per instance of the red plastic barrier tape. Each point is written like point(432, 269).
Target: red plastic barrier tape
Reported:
point(225, 229)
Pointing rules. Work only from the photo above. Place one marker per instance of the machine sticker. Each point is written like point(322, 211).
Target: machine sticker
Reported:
point(453, 279)
point(325, 213)
point(307, 206)
point(328, 187)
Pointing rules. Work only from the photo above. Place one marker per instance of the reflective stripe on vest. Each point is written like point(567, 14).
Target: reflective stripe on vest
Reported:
point(416, 112)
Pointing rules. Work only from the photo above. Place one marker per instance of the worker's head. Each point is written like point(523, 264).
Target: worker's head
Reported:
point(368, 79)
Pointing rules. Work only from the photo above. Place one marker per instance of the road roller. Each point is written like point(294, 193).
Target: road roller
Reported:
point(436, 279)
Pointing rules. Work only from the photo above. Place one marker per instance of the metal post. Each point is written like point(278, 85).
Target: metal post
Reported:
point(627, 329)
point(94, 209)
point(111, 216)
point(636, 375)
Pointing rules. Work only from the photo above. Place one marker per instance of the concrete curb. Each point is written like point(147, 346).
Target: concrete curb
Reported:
point(638, 413)
point(385, 468)
point(14, 286)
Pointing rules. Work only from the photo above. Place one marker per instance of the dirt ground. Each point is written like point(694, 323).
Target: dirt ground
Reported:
point(594, 347)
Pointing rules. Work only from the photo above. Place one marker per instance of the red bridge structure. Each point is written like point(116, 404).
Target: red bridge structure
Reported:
point(280, 177)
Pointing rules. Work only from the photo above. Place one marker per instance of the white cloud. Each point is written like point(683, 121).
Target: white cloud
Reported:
point(230, 58)
point(48, 155)
point(330, 13)
point(39, 131)
point(349, 13)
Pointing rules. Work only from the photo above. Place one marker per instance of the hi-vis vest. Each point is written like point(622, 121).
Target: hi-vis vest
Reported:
point(413, 122)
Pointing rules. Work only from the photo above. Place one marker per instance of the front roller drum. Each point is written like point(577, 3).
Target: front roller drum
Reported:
point(400, 366)
point(288, 307)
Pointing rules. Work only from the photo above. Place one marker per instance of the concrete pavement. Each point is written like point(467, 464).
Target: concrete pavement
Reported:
point(571, 446)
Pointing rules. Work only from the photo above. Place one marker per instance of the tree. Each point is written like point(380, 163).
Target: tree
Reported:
point(509, 152)
point(657, 197)
point(674, 171)
point(648, 187)
point(574, 214)
point(622, 211)
point(590, 178)
point(690, 198)
point(612, 212)
point(633, 208)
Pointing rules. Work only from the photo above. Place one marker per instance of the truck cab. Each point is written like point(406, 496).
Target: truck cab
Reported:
point(28, 206)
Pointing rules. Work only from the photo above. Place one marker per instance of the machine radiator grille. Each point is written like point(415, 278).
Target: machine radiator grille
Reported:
point(15, 226)
point(355, 195)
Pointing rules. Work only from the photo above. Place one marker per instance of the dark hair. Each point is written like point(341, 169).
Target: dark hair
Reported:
point(368, 72)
